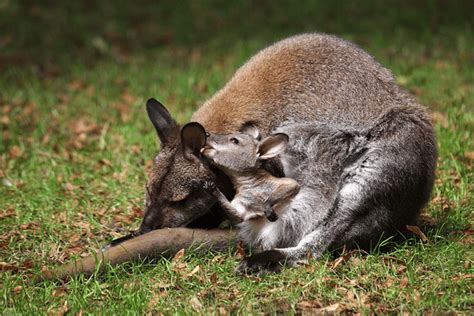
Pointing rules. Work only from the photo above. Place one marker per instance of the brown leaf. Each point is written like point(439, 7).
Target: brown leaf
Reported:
point(213, 278)
point(68, 186)
point(105, 162)
point(440, 118)
point(178, 255)
point(404, 282)
point(309, 306)
point(18, 289)
point(401, 269)
point(342, 259)
point(4, 266)
point(195, 303)
point(194, 271)
point(469, 155)
point(417, 231)
point(330, 308)
point(15, 152)
point(9, 212)
point(84, 126)
point(240, 251)
point(76, 84)
point(388, 259)
point(463, 277)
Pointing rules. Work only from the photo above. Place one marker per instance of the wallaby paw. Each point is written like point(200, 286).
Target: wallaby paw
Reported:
point(269, 261)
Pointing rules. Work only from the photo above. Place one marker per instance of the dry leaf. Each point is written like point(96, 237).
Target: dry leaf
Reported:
point(463, 277)
point(194, 271)
point(213, 278)
point(15, 151)
point(401, 269)
point(17, 289)
point(388, 259)
point(417, 231)
point(330, 309)
point(440, 118)
point(469, 155)
point(195, 304)
point(240, 252)
point(178, 255)
point(342, 259)
point(8, 267)
point(309, 305)
point(404, 282)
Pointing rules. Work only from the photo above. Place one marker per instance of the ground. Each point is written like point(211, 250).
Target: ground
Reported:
point(76, 145)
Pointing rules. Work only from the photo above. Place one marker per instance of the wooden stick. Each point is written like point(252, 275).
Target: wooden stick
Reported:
point(154, 244)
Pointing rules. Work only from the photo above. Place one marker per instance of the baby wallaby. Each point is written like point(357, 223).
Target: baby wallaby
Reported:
point(240, 157)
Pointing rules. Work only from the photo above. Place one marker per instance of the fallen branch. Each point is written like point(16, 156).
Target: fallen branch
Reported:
point(154, 244)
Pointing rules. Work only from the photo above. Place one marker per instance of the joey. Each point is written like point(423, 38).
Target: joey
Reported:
point(240, 156)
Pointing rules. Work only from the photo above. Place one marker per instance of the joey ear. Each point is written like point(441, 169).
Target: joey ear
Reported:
point(193, 138)
point(272, 146)
point(165, 125)
point(251, 130)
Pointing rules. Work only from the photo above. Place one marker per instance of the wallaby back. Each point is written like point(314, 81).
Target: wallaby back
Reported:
point(304, 78)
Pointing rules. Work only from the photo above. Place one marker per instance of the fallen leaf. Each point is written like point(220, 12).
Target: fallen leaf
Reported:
point(417, 231)
point(401, 269)
point(469, 155)
point(213, 278)
point(404, 282)
point(240, 251)
point(4, 266)
point(15, 152)
point(440, 118)
point(388, 259)
point(342, 259)
point(9, 212)
point(178, 255)
point(309, 305)
point(330, 308)
point(195, 303)
point(194, 271)
point(463, 277)
point(17, 289)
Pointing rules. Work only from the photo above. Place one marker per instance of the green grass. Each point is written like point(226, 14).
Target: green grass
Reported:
point(75, 144)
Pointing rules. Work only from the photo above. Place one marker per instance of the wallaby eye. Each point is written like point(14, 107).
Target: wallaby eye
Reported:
point(207, 134)
point(234, 140)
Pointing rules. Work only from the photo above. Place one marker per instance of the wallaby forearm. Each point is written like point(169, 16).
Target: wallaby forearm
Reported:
point(287, 189)
point(227, 207)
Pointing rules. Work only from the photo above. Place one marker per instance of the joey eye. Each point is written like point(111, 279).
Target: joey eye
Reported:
point(207, 134)
point(234, 140)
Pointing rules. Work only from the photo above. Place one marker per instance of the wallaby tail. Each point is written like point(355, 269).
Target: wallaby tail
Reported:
point(157, 243)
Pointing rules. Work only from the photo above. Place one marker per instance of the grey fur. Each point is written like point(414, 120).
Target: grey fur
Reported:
point(361, 148)
point(260, 198)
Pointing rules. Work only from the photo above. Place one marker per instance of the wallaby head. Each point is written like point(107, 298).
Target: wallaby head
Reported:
point(242, 152)
point(174, 195)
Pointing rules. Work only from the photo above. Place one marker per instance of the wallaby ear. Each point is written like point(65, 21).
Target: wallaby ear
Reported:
point(251, 130)
point(272, 146)
point(165, 125)
point(193, 138)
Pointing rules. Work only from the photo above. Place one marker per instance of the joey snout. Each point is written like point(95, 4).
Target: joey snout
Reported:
point(208, 151)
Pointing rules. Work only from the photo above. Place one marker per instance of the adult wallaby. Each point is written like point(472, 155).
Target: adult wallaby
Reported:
point(296, 86)
point(260, 198)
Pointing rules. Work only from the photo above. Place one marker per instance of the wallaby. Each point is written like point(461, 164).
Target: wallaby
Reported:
point(260, 197)
point(299, 86)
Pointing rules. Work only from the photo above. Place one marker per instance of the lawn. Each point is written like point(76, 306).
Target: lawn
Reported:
point(76, 145)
